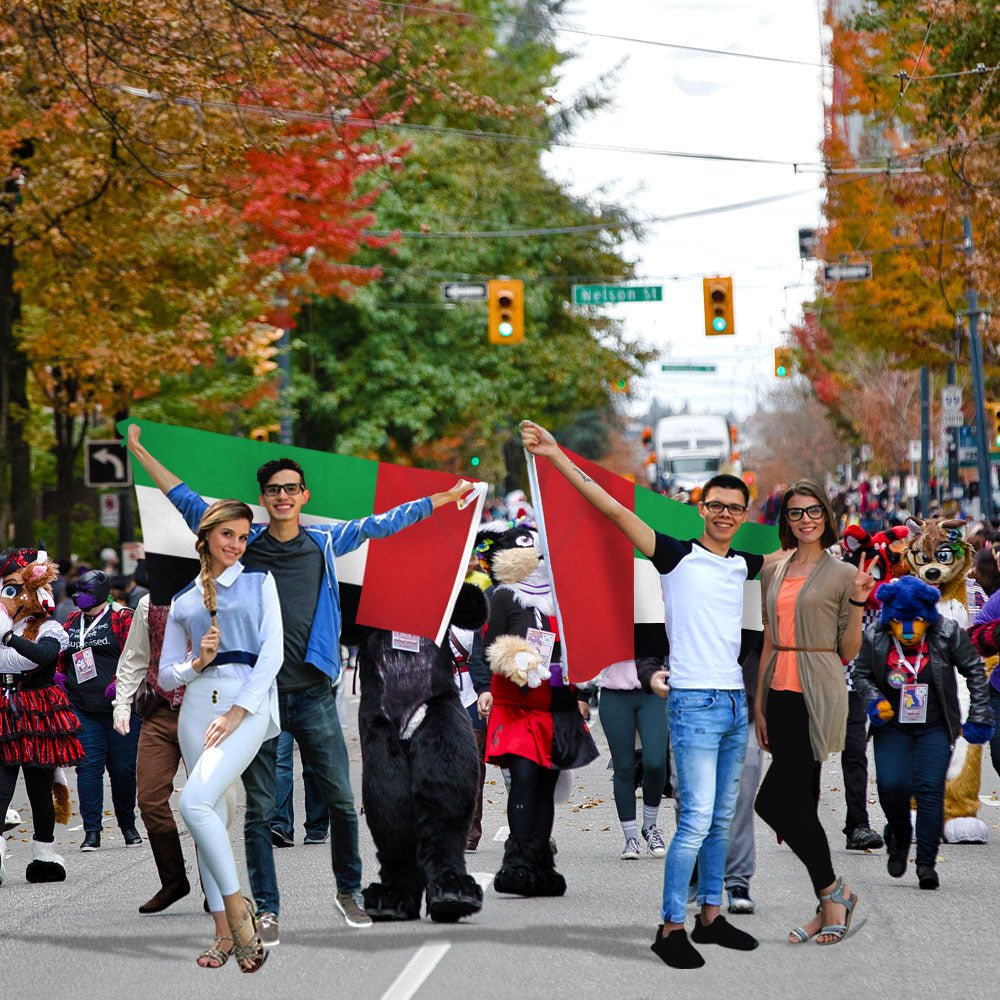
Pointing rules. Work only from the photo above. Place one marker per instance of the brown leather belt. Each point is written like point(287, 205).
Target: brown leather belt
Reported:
point(802, 649)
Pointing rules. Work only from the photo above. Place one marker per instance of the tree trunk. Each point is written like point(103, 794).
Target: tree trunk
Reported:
point(67, 449)
point(17, 500)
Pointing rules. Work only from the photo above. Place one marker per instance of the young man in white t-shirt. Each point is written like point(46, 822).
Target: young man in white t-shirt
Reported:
point(703, 598)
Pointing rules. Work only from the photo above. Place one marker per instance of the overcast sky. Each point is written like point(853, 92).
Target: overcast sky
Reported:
point(667, 99)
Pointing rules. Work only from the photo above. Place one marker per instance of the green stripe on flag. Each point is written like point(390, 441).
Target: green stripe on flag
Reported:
point(681, 520)
point(218, 465)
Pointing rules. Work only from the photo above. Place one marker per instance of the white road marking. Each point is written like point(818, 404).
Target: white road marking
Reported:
point(502, 834)
point(989, 800)
point(73, 829)
point(484, 879)
point(416, 971)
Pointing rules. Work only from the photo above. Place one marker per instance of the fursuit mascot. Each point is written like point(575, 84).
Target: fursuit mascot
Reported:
point(936, 553)
point(906, 673)
point(420, 771)
point(535, 728)
point(37, 726)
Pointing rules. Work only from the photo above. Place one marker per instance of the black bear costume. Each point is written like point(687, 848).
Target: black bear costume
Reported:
point(420, 773)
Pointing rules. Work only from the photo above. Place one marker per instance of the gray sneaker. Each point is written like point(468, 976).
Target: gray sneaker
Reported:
point(654, 841)
point(352, 906)
point(267, 928)
point(632, 850)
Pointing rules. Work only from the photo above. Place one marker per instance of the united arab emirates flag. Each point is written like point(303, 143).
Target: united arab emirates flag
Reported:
point(407, 582)
point(603, 586)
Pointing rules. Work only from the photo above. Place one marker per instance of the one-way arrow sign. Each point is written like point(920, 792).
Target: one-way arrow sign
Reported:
point(106, 464)
point(464, 291)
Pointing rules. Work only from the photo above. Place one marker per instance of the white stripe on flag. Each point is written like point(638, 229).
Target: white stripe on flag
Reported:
point(477, 516)
point(166, 533)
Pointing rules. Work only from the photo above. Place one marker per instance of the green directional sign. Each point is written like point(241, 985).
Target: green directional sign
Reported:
point(599, 295)
point(688, 368)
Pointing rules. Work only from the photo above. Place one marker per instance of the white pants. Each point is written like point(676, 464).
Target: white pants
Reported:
point(203, 801)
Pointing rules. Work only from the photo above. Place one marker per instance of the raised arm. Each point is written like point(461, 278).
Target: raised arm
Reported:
point(160, 475)
point(540, 443)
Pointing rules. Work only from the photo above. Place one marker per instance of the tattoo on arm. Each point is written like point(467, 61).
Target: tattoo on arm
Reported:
point(583, 475)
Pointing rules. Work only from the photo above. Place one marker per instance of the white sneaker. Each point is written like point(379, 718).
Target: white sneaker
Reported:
point(632, 850)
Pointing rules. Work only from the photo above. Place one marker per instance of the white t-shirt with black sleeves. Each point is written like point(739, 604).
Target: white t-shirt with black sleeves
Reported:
point(703, 600)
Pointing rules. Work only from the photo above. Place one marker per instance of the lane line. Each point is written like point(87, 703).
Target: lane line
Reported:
point(73, 829)
point(502, 834)
point(416, 971)
point(483, 879)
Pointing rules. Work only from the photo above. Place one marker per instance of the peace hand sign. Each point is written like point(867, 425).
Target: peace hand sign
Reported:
point(864, 582)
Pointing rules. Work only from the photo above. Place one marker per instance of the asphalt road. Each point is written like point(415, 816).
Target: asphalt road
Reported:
point(84, 938)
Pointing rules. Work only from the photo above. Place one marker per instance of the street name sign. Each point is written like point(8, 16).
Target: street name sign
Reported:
point(688, 368)
point(848, 272)
point(599, 295)
point(463, 291)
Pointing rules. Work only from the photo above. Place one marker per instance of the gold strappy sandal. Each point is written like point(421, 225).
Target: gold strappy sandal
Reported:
point(253, 952)
point(214, 957)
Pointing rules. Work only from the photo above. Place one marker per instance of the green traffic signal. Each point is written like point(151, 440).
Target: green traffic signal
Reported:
point(719, 324)
point(505, 329)
point(474, 461)
point(781, 371)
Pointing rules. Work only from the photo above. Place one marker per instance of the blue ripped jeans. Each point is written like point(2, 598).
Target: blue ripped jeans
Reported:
point(708, 736)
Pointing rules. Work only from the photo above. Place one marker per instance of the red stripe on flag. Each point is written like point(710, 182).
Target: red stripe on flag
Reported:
point(592, 568)
point(410, 576)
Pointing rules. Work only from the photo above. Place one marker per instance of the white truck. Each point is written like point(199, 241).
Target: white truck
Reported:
point(692, 448)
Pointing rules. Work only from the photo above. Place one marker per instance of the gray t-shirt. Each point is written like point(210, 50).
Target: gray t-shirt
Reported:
point(297, 568)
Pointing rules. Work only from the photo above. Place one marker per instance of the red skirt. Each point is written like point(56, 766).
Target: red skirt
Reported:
point(542, 724)
point(38, 728)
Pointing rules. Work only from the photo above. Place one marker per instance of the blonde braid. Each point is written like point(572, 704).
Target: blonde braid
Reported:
point(207, 580)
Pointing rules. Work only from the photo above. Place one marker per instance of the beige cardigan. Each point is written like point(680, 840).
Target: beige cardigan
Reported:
point(821, 613)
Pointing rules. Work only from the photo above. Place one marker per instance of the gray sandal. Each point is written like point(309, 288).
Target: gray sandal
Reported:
point(838, 931)
point(801, 935)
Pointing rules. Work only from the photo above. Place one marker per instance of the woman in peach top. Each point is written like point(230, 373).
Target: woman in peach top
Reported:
point(812, 605)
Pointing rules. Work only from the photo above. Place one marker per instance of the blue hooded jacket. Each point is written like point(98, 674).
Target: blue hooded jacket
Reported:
point(323, 651)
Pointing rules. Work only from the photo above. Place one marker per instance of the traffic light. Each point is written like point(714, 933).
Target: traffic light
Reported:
point(620, 385)
point(718, 293)
point(506, 309)
point(264, 433)
point(782, 362)
point(992, 424)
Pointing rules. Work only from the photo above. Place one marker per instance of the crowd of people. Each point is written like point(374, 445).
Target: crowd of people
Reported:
point(226, 672)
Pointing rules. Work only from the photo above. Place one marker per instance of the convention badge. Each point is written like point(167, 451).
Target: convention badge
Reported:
point(913, 702)
point(405, 642)
point(897, 678)
point(544, 643)
point(84, 665)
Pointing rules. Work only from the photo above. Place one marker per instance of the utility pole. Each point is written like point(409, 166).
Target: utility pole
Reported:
point(978, 381)
point(953, 482)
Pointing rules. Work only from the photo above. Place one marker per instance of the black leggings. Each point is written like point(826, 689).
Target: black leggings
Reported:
point(38, 782)
point(788, 800)
point(531, 809)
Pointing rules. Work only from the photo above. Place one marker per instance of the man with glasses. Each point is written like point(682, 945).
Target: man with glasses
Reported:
point(702, 584)
point(302, 560)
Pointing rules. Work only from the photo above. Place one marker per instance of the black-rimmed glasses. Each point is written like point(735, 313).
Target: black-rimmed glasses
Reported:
point(275, 489)
point(814, 512)
point(717, 507)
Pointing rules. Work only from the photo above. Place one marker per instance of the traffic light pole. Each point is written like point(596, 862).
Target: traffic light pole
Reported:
point(953, 492)
point(978, 383)
point(925, 441)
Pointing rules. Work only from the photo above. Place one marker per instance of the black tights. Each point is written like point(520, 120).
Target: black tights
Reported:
point(38, 782)
point(531, 809)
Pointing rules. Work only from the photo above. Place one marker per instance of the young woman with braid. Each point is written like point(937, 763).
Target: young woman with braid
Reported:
point(224, 642)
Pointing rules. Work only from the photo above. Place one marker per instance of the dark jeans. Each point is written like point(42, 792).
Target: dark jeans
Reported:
point(854, 763)
point(788, 800)
point(531, 809)
point(311, 717)
point(913, 765)
point(317, 815)
point(623, 714)
point(995, 742)
point(106, 749)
